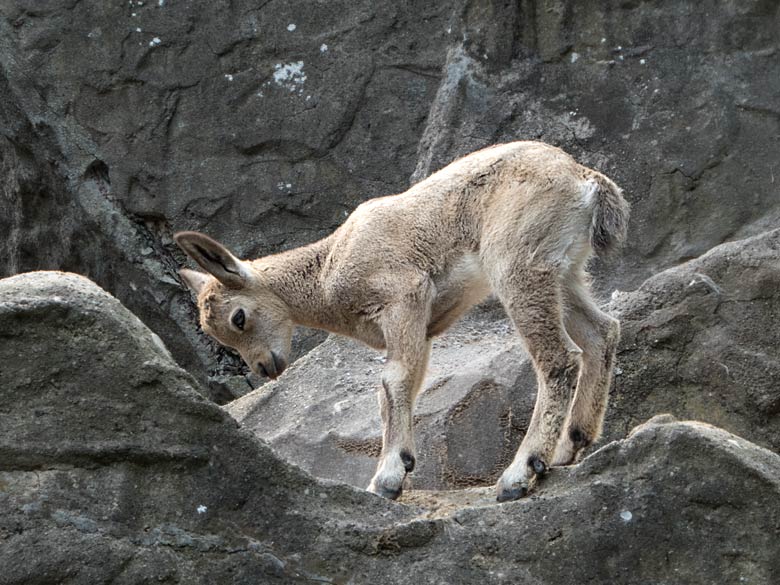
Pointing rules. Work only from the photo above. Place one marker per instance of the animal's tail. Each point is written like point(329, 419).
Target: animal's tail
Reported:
point(609, 225)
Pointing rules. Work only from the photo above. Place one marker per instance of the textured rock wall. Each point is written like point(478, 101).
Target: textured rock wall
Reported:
point(264, 124)
point(701, 341)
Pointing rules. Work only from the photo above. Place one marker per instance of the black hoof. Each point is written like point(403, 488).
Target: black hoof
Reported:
point(538, 465)
point(510, 494)
point(408, 460)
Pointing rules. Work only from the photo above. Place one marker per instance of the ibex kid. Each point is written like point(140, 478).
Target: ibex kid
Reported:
point(519, 219)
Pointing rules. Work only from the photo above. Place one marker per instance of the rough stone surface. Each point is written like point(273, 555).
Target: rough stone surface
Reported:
point(697, 340)
point(264, 124)
point(114, 469)
point(701, 341)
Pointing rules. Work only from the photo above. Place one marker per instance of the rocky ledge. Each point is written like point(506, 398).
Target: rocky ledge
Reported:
point(114, 468)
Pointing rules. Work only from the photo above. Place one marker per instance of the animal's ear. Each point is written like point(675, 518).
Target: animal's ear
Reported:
point(194, 280)
point(214, 258)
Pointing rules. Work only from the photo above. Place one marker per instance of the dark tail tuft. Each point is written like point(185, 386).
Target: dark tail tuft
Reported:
point(610, 217)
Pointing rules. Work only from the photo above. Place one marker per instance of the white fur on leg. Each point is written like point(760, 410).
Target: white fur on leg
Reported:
point(389, 476)
point(519, 475)
point(397, 431)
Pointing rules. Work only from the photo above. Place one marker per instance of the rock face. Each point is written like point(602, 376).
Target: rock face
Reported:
point(701, 341)
point(697, 341)
point(264, 125)
point(114, 468)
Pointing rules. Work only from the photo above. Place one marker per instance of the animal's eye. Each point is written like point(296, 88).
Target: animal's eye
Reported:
point(239, 319)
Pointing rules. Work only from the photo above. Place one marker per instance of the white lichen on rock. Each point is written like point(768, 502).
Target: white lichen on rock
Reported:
point(289, 75)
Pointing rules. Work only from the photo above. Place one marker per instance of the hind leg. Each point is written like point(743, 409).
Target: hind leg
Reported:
point(533, 299)
point(597, 334)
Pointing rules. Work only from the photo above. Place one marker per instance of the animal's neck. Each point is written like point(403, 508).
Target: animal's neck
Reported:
point(295, 278)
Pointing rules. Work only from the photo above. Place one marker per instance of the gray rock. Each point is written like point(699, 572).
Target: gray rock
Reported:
point(701, 341)
point(142, 119)
point(114, 469)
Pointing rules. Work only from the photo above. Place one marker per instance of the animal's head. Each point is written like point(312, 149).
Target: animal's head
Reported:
point(236, 307)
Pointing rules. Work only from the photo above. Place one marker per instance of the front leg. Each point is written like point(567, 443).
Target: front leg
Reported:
point(396, 405)
point(404, 327)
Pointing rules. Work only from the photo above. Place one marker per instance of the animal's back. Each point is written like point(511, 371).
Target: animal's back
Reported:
point(534, 196)
point(545, 206)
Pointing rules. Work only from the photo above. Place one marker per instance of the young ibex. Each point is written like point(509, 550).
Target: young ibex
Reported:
point(518, 219)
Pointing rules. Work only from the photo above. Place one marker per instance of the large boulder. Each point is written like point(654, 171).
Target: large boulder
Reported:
point(265, 125)
point(697, 341)
point(701, 340)
point(114, 469)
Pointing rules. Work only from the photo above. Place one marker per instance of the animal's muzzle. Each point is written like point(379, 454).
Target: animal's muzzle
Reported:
point(274, 368)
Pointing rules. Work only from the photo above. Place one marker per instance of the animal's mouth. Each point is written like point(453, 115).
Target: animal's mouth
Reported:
point(274, 368)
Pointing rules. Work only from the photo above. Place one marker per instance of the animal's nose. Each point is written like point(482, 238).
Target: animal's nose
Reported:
point(280, 364)
point(274, 368)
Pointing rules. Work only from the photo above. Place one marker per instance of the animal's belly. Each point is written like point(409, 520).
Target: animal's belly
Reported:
point(456, 291)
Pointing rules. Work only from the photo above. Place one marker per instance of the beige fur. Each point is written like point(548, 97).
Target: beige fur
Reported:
point(518, 219)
